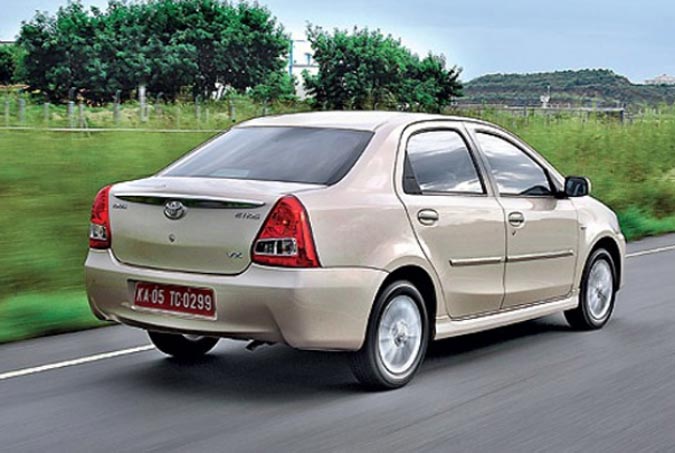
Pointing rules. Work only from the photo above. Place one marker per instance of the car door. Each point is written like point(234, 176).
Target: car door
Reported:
point(542, 229)
point(457, 220)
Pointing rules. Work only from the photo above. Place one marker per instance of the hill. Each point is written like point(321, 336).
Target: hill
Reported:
point(586, 87)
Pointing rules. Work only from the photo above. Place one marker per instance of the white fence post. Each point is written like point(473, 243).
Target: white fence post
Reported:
point(6, 111)
point(22, 110)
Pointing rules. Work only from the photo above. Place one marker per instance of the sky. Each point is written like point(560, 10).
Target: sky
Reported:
point(633, 38)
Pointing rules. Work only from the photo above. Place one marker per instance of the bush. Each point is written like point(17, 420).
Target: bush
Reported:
point(367, 70)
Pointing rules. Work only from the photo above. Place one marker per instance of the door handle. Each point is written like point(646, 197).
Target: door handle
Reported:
point(516, 219)
point(427, 217)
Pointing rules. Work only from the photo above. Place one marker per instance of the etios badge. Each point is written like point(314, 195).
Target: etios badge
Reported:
point(174, 210)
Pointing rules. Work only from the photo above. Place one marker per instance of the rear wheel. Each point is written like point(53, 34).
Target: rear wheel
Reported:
point(396, 340)
point(182, 346)
point(596, 298)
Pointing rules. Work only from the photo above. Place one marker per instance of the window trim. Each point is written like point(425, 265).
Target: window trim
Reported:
point(472, 156)
point(511, 141)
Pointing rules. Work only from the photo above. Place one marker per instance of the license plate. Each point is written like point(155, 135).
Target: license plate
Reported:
point(174, 298)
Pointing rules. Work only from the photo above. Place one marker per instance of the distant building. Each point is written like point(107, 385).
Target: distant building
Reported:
point(7, 43)
point(301, 59)
point(663, 79)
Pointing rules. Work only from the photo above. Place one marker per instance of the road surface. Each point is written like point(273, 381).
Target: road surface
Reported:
point(536, 386)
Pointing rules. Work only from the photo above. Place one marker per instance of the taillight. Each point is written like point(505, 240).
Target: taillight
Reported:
point(286, 237)
point(99, 228)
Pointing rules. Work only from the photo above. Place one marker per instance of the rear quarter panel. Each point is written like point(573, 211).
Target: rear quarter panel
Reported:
point(360, 222)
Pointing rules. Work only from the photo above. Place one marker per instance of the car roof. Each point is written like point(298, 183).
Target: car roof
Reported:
point(357, 120)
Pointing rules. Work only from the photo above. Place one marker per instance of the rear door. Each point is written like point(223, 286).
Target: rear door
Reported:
point(458, 222)
point(542, 230)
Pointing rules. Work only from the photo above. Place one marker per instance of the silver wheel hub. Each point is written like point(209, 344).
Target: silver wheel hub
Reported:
point(600, 289)
point(400, 335)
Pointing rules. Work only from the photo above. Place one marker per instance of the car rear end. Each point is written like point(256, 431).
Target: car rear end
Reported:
point(221, 244)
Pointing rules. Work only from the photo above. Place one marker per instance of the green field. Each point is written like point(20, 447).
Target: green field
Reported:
point(48, 180)
point(47, 183)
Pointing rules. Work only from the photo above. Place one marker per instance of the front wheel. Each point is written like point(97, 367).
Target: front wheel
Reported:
point(396, 340)
point(598, 291)
point(183, 347)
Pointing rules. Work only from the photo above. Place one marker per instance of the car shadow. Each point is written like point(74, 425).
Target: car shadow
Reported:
point(280, 373)
point(487, 339)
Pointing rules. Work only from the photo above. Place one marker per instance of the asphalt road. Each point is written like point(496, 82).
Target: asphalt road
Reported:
point(531, 387)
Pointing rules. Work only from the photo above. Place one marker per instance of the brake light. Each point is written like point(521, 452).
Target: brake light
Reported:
point(99, 228)
point(286, 237)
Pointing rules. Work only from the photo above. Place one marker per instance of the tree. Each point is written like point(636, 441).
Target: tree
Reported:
point(366, 69)
point(60, 51)
point(277, 85)
point(429, 85)
point(237, 45)
point(142, 47)
point(358, 69)
point(163, 44)
point(7, 64)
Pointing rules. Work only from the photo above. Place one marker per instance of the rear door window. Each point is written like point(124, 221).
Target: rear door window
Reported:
point(289, 154)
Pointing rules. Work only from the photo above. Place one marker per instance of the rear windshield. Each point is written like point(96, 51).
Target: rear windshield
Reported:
point(291, 154)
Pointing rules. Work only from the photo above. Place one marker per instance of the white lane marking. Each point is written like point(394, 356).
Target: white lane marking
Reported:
point(73, 362)
point(651, 251)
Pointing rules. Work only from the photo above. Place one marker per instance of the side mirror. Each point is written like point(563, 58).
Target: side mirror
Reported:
point(577, 186)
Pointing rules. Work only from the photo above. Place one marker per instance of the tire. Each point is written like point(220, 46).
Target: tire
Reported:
point(597, 293)
point(392, 362)
point(184, 347)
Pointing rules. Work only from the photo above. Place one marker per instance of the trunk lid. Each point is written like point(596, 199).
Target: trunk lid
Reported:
point(190, 224)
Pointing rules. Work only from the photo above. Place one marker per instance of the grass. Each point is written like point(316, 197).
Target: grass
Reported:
point(47, 183)
point(635, 223)
point(33, 314)
point(48, 180)
point(157, 115)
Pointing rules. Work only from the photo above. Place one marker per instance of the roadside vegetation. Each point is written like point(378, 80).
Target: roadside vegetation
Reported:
point(48, 180)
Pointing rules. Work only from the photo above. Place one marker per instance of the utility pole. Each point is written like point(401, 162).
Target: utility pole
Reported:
point(290, 58)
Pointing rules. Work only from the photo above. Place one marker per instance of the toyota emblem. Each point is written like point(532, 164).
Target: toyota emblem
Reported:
point(174, 210)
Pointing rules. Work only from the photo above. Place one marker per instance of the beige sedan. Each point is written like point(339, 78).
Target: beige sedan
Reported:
point(369, 232)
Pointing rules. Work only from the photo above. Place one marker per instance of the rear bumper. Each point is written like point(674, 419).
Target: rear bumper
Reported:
point(326, 308)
